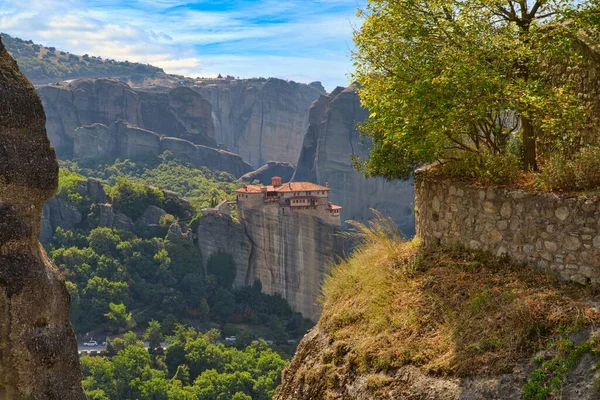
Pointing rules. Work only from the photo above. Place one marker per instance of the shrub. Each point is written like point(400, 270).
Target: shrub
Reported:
point(579, 172)
point(484, 168)
point(67, 186)
point(167, 220)
point(132, 199)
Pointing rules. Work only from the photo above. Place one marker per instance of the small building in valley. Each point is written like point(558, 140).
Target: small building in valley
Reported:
point(300, 197)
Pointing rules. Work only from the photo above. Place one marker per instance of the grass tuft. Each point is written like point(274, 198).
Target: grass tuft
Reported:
point(447, 311)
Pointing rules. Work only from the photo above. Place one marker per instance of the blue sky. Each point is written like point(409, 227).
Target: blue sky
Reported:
point(301, 40)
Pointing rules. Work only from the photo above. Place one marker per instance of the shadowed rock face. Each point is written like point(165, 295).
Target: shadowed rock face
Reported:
point(330, 142)
point(180, 112)
point(269, 170)
point(38, 351)
point(262, 121)
point(121, 139)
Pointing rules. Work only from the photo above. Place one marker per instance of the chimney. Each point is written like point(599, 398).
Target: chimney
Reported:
point(244, 186)
point(276, 181)
point(327, 184)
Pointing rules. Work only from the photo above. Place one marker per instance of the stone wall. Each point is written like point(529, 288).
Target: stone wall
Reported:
point(558, 233)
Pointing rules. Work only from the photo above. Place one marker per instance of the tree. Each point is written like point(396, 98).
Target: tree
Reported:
point(118, 317)
point(104, 241)
point(445, 79)
point(153, 335)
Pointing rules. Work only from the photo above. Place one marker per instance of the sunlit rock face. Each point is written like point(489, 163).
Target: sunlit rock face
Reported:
point(289, 253)
point(262, 120)
point(330, 143)
point(38, 350)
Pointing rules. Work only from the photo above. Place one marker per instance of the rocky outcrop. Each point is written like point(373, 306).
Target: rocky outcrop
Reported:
point(181, 112)
point(38, 351)
point(269, 170)
point(330, 142)
point(289, 253)
point(121, 139)
point(309, 376)
point(262, 119)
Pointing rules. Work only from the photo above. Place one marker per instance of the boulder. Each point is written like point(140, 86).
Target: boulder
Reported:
point(151, 216)
point(123, 222)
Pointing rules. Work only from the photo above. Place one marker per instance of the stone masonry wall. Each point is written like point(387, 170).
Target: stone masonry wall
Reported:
point(558, 233)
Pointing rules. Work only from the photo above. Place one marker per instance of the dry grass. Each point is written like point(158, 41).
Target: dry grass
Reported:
point(448, 311)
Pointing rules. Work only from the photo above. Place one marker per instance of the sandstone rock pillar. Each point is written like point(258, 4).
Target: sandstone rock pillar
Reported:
point(38, 350)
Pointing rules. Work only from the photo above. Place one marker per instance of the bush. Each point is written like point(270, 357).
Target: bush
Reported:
point(132, 199)
point(579, 172)
point(484, 168)
point(67, 186)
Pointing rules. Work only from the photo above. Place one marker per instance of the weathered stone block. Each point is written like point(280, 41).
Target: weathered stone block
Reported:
point(561, 213)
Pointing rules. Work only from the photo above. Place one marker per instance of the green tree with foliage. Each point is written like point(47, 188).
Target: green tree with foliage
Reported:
point(118, 317)
point(153, 335)
point(453, 79)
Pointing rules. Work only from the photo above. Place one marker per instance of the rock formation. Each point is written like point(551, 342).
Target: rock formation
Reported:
point(121, 139)
point(269, 170)
point(288, 253)
point(331, 141)
point(262, 119)
point(302, 382)
point(180, 112)
point(38, 350)
point(99, 212)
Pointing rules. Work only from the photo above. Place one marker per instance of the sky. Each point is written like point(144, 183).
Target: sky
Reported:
point(300, 40)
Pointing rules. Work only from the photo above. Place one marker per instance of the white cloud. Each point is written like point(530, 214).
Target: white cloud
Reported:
point(287, 39)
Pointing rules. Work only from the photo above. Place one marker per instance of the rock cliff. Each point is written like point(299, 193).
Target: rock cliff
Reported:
point(179, 112)
point(262, 120)
point(290, 254)
point(399, 322)
point(330, 142)
point(98, 211)
point(121, 139)
point(38, 351)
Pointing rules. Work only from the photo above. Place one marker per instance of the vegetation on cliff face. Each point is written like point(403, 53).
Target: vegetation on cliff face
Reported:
point(111, 272)
point(491, 83)
point(446, 312)
point(47, 64)
point(201, 186)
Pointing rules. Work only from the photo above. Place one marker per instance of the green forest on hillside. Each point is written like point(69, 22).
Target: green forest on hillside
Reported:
point(194, 366)
point(148, 279)
point(47, 64)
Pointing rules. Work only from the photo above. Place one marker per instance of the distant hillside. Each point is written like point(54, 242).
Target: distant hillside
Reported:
point(47, 64)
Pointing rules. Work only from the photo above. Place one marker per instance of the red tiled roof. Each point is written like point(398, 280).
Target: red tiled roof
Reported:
point(300, 187)
point(249, 189)
point(333, 207)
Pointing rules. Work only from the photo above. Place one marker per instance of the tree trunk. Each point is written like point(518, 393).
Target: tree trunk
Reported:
point(529, 151)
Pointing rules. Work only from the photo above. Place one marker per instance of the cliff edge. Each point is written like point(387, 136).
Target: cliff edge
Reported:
point(38, 351)
point(399, 322)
